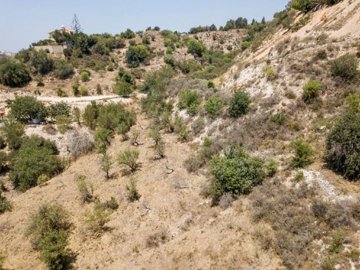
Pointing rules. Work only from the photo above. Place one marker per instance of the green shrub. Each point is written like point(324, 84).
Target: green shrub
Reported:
point(188, 66)
point(303, 154)
point(236, 172)
point(169, 59)
point(63, 123)
point(239, 104)
point(278, 118)
point(5, 205)
point(343, 143)
point(2, 143)
point(115, 117)
point(25, 108)
point(14, 74)
point(99, 89)
point(90, 115)
point(41, 63)
point(49, 230)
point(86, 192)
point(189, 100)
point(96, 219)
point(271, 167)
point(311, 91)
point(63, 70)
point(3, 162)
point(155, 87)
point(13, 132)
point(129, 158)
point(2, 260)
point(36, 157)
point(270, 73)
point(123, 89)
point(106, 164)
point(214, 106)
point(196, 47)
point(345, 67)
point(128, 34)
point(85, 76)
point(84, 91)
point(102, 139)
point(136, 55)
point(132, 191)
point(60, 108)
point(75, 88)
point(181, 129)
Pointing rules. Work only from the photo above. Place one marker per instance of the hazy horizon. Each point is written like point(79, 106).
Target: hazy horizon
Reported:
point(25, 22)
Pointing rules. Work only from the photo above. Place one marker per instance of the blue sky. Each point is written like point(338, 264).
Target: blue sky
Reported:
point(25, 21)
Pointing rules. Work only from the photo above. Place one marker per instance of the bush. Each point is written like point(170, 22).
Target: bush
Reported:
point(102, 139)
point(106, 163)
point(214, 106)
point(90, 115)
point(132, 191)
point(63, 70)
point(196, 47)
point(129, 158)
point(85, 76)
point(41, 63)
point(189, 100)
point(25, 108)
point(345, 67)
point(136, 55)
point(239, 104)
point(343, 143)
point(2, 143)
point(193, 164)
point(236, 173)
point(114, 117)
point(311, 91)
point(123, 89)
point(60, 108)
point(14, 74)
point(86, 193)
point(5, 205)
point(278, 118)
point(96, 219)
point(13, 132)
point(303, 154)
point(79, 143)
point(49, 230)
point(63, 123)
point(270, 73)
point(36, 157)
point(128, 34)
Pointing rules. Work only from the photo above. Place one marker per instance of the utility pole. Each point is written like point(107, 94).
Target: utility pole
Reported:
point(76, 25)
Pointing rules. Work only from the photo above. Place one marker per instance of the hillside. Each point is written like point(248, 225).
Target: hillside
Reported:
point(245, 147)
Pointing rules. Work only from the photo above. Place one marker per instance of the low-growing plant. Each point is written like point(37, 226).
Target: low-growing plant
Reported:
point(86, 192)
point(343, 144)
point(14, 74)
point(129, 158)
point(278, 118)
point(49, 230)
point(189, 100)
point(102, 139)
point(303, 154)
point(5, 205)
point(106, 164)
point(214, 106)
point(13, 132)
point(236, 172)
point(345, 67)
point(132, 191)
point(63, 123)
point(239, 104)
point(270, 73)
point(85, 76)
point(35, 157)
point(311, 91)
point(96, 219)
point(63, 70)
point(60, 108)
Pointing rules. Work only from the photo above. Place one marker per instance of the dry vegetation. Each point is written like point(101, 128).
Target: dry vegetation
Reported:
point(229, 149)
